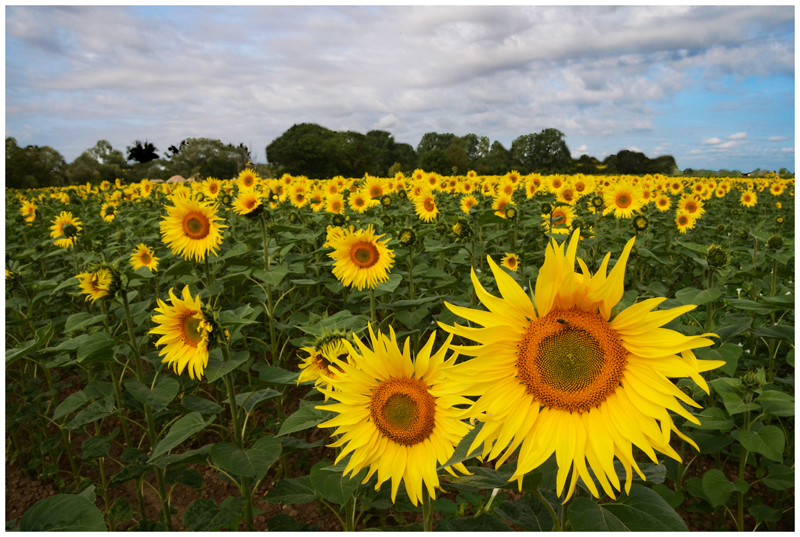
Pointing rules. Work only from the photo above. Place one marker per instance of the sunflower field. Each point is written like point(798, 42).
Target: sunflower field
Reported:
point(458, 353)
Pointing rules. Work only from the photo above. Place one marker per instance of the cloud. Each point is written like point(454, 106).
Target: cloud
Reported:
point(777, 138)
point(712, 141)
point(695, 151)
point(727, 145)
point(582, 149)
point(788, 149)
point(386, 122)
point(738, 136)
point(634, 149)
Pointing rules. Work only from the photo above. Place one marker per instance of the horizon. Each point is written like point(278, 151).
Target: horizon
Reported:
point(712, 86)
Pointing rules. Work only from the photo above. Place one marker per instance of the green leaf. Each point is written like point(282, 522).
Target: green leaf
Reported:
point(780, 331)
point(98, 347)
point(696, 296)
point(82, 320)
point(735, 405)
point(236, 317)
point(63, 512)
point(641, 510)
point(717, 488)
point(40, 338)
point(249, 400)
point(217, 369)
point(777, 403)
point(98, 446)
point(780, 477)
point(71, 403)
point(333, 485)
point(204, 515)
point(181, 268)
point(296, 490)
point(182, 429)
point(710, 443)
point(728, 352)
point(185, 476)
point(121, 511)
point(251, 463)
point(274, 276)
point(696, 248)
point(127, 473)
point(159, 397)
point(752, 306)
point(97, 410)
point(290, 444)
point(195, 456)
point(305, 418)
point(460, 453)
point(277, 375)
point(713, 419)
point(763, 513)
point(732, 329)
point(487, 478)
point(769, 442)
point(198, 404)
point(388, 286)
point(527, 513)
point(674, 498)
point(725, 385)
point(284, 522)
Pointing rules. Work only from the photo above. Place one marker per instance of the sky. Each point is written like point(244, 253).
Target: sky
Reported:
point(712, 86)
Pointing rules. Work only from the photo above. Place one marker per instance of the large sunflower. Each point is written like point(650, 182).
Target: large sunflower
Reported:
point(396, 416)
point(622, 199)
point(564, 376)
point(360, 259)
point(185, 332)
point(191, 228)
point(67, 228)
point(425, 205)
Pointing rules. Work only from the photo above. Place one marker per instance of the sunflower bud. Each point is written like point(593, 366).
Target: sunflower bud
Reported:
point(402, 194)
point(640, 223)
point(716, 257)
point(441, 228)
point(597, 202)
point(294, 218)
point(386, 200)
point(462, 229)
point(779, 220)
point(751, 382)
point(407, 237)
point(721, 229)
point(734, 212)
point(775, 243)
point(547, 208)
point(337, 220)
point(148, 203)
point(510, 213)
point(225, 199)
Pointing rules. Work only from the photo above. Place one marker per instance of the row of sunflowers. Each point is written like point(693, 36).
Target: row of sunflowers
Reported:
point(551, 382)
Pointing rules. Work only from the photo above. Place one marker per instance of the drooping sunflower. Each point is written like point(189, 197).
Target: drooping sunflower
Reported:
point(108, 211)
point(67, 227)
point(191, 228)
point(560, 374)
point(748, 199)
point(425, 206)
point(143, 256)
point(28, 210)
point(248, 203)
point(318, 364)
point(185, 333)
point(510, 261)
point(95, 284)
point(360, 259)
point(397, 416)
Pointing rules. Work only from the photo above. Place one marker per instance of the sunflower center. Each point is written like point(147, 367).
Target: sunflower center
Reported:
point(249, 203)
point(429, 205)
point(196, 226)
point(558, 218)
point(623, 200)
point(571, 360)
point(375, 191)
point(192, 329)
point(364, 254)
point(145, 258)
point(403, 410)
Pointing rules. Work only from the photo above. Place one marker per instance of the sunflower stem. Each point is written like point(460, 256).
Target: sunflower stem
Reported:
point(148, 411)
point(270, 313)
point(372, 304)
point(411, 272)
point(427, 510)
point(553, 515)
point(350, 514)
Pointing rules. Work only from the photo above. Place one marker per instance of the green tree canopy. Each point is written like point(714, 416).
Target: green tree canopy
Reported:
point(34, 166)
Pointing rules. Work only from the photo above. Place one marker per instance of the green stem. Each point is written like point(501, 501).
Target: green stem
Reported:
point(427, 510)
point(271, 312)
point(709, 311)
point(556, 523)
point(350, 514)
point(411, 272)
point(372, 305)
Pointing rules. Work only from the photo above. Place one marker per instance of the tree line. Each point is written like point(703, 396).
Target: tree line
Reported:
point(317, 152)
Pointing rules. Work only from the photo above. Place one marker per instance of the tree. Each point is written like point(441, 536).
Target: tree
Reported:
point(550, 153)
point(434, 140)
point(436, 160)
point(84, 169)
point(142, 152)
point(496, 162)
point(204, 157)
point(33, 166)
point(304, 149)
point(405, 155)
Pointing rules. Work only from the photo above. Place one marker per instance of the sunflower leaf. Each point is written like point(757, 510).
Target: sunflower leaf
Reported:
point(296, 490)
point(305, 418)
point(769, 442)
point(182, 429)
point(641, 510)
point(63, 512)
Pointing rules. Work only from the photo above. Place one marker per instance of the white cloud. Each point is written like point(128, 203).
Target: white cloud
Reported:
point(712, 141)
point(634, 149)
point(738, 136)
point(695, 151)
point(788, 149)
point(582, 149)
point(386, 122)
point(727, 145)
point(777, 138)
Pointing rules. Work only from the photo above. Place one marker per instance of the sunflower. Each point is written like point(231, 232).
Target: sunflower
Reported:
point(663, 202)
point(248, 203)
point(360, 259)
point(145, 187)
point(467, 203)
point(425, 206)
point(212, 187)
point(500, 202)
point(67, 227)
point(335, 204)
point(374, 187)
point(564, 376)
point(622, 199)
point(185, 331)
point(143, 256)
point(360, 201)
point(748, 199)
point(191, 228)
point(316, 200)
point(397, 416)
point(108, 212)
point(248, 179)
point(684, 221)
point(691, 206)
point(561, 217)
point(510, 261)
point(28, 210)
point(95, 284)
point(318, 365)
